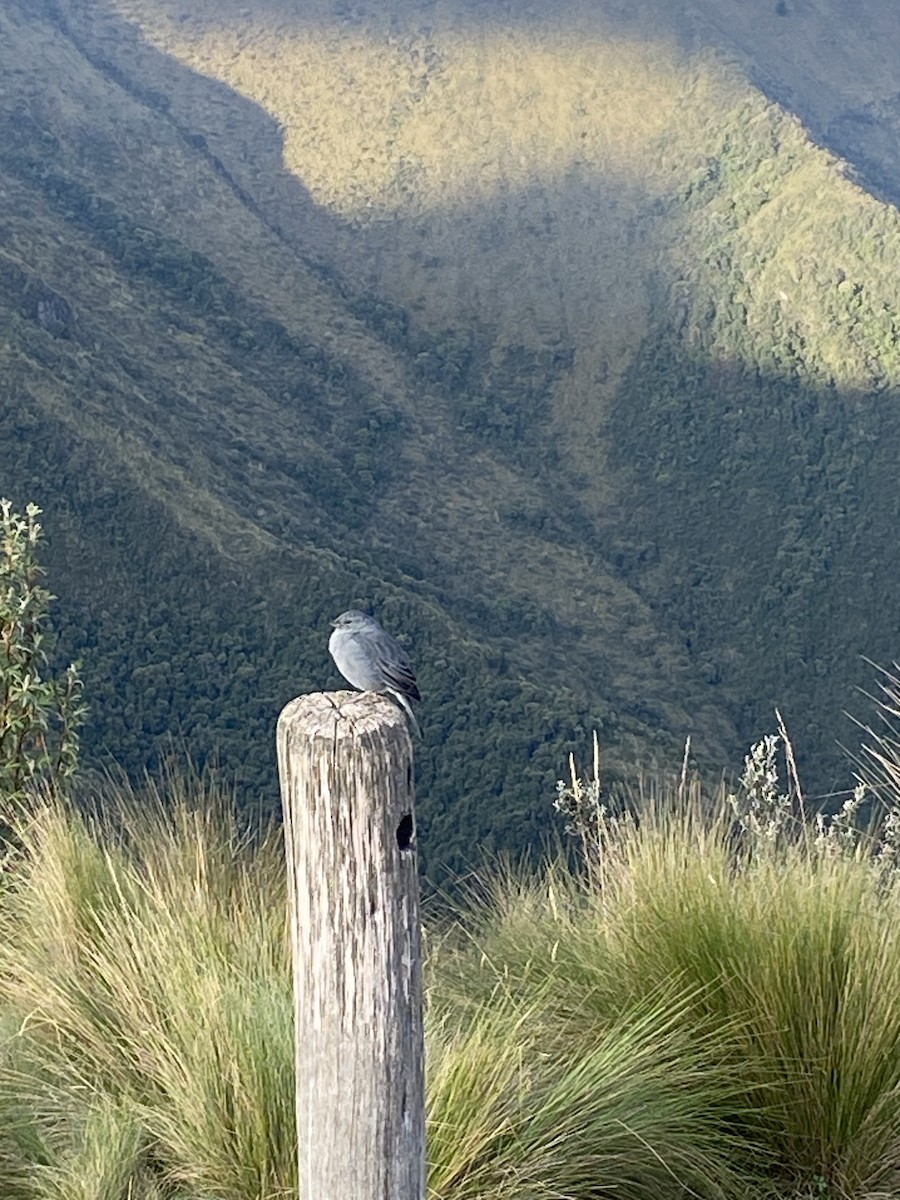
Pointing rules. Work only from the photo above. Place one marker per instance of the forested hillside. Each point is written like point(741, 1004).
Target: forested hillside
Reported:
point(550, 336)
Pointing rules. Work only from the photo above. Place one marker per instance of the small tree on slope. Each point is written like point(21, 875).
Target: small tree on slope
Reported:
point(40, 714)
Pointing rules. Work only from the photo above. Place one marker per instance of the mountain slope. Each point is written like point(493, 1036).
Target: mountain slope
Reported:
point(227, 454)
point(563, 347)
point(605, 188)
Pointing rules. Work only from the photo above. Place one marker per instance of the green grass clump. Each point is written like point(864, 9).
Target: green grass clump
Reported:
point(521, 1104)
point(145, 988)
point(145, 978)
point(779, 937)
point(712, 1009)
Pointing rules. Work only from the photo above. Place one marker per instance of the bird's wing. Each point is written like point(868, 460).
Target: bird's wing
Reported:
point(396, 667)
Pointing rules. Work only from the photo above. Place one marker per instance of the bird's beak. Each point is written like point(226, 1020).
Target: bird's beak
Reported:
point(333, 624)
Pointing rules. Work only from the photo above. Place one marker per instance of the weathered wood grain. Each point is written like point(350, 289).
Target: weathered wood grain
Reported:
point(345, 764)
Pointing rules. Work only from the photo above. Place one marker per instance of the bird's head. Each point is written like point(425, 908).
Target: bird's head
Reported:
point(353, 621)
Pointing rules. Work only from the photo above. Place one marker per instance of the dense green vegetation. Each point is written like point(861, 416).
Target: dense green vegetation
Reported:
point(795, 474)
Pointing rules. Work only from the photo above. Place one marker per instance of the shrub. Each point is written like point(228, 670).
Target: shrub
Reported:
point(40, 714)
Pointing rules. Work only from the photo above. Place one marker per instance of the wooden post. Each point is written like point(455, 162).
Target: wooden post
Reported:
point(345, 764)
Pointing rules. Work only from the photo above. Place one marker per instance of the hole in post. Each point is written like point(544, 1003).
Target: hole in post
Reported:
point(405, 832)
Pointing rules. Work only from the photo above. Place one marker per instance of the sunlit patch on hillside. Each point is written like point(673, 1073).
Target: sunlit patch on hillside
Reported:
point(539, 178)
point(376, 123)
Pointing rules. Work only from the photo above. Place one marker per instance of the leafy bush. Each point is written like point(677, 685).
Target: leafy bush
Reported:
point(40, 713)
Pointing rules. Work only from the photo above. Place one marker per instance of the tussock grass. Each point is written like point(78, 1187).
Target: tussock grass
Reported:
point(147, 966)
point(520, 1105)
point(779, 937)
point(711, 1010)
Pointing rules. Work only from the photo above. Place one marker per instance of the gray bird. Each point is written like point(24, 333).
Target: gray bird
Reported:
point(371, 660)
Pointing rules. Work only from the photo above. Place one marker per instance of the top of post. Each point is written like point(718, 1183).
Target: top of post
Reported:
point(335, 716)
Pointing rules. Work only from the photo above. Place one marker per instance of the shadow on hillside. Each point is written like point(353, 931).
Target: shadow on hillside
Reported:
point(761, 518)
point(234, 136)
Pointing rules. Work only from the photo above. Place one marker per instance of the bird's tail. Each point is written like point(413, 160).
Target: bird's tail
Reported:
point(409, 712)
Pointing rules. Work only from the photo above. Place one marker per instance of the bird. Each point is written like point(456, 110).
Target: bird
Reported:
point(371, 660)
